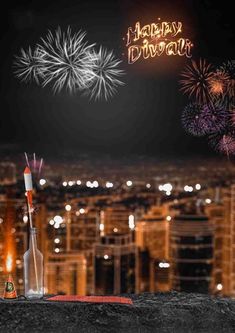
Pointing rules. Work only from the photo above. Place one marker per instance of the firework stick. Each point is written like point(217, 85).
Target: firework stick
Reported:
point(34, 162)
point(26, 158)
point(40, 167)
point(29, 192)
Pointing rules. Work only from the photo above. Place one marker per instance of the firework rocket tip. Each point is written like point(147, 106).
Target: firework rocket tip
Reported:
point(27, 170)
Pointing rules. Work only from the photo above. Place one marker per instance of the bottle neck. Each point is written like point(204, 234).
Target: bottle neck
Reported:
point(33, 240)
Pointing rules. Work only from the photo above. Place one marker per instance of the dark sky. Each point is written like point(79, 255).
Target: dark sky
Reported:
point(144, 117)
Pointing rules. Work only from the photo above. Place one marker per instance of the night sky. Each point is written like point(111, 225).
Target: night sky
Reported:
point(144, 117)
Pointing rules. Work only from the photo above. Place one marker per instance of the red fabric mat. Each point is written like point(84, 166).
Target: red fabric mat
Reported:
point(91, 299)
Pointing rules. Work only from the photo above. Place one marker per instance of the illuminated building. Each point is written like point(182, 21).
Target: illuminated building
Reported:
point(66, 274)
point(152, 238)
point(159, 275)
point(40, 218)
point(116, 219)
point(216, 214)
point(228, 255)
point(74, 230)
point(116, 265)
point(191, 253)
point(84, 229)
point(7, 173)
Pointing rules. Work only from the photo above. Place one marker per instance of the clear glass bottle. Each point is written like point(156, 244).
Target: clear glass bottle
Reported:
point(33, 268)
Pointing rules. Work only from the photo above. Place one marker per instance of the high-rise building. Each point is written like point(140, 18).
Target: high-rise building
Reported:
point(152, 238)
point(116, 265)
point(116, 219)
point(7, 173)
point(228, 253)
point(84, 229)
point(74, 230)
point(216, 213)
point(191, 253)
point(40, 222)
point(159, 275)
point(66, 274)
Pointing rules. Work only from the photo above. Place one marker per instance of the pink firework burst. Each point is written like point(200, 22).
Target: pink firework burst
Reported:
point(224, 142)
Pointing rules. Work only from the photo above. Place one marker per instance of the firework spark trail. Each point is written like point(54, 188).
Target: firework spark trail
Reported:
point(229, 68)
point(28, 66)
point(191, 119)
point(106, 74)
point(196, 80)
point(200, 120)
point(67, 60)
point(34, 164)
point(26, 159)
point(40, 166)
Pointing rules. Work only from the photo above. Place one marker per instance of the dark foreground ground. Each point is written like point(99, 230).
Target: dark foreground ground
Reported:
point(170, 312)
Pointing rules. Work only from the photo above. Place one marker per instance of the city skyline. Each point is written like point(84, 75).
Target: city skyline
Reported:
point(101, 235)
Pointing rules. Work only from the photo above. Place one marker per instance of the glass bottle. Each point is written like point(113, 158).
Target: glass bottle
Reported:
point(33, 268)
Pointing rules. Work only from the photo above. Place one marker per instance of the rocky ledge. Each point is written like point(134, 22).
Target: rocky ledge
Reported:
point(161, 312)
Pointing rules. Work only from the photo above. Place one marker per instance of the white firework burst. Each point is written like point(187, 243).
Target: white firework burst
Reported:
point(28, 66)
point(106, 74)
point(66, 59)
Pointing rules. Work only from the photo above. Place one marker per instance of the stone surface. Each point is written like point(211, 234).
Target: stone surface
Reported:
point(168, 312)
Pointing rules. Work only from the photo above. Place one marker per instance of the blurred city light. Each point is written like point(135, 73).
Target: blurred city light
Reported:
point(129, 183)
point(58, 219)
point(198, 187)
point(25, 218)
point(188, 188)
point(95, 184)
point(51, 222)
point(164, 265)
point(219, 286)
point(42, 182)
point(131, 222)
point(89, 184)
point(68, 208)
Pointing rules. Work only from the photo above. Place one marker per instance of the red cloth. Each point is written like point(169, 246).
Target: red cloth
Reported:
point(91, 299)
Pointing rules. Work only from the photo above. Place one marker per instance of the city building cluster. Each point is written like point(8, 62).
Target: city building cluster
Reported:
point(131, 233)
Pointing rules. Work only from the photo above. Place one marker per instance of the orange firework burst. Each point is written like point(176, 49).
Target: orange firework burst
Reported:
point(218, 82)
point(196, 79)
